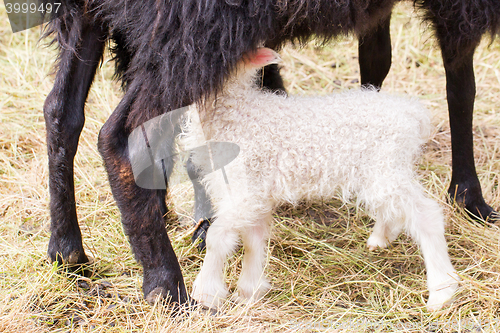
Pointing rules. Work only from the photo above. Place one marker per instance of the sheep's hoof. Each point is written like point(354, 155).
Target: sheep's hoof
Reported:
point(471, 198)
point(210, 295)
point(75, 262)
point(249, 294)
point(375, 241)
point(441, 297)
point(67, 251)
point(155, 294)
point(209, 300)
point(200, 233)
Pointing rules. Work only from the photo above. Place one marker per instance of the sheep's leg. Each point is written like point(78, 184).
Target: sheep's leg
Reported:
point(383, 234)
point(202, 206)
point(142, 210)
point(375, 54)
point(460, 90)
point(209, 288)
point(64, 119)
point(423, 219)
point(425, 224)
point(253, 284)
point(457, 49)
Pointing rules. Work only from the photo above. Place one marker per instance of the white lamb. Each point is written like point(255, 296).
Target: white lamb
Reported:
point(360, 142)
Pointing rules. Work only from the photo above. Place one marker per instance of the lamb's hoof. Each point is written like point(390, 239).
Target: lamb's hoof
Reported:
point(441, 297)
point(209, 300)
point(200, 234)
point(249, 294)
point(209, 295)
point(375, 241)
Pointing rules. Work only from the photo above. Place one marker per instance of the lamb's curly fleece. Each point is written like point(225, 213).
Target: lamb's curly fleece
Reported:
point(357, 143)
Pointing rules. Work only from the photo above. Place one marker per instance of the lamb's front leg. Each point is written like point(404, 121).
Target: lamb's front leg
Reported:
point(253, 284)
point(209, 287)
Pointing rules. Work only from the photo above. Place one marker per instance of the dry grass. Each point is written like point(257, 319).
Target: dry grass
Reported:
point(323, 277)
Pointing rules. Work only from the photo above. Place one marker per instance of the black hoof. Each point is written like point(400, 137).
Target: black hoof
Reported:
point(473, 203)
point(483, 214)
point(66, 253)
point(200, 234)
point(163, 285)
point(74, 258)
point(69, 255)
point(155, 294)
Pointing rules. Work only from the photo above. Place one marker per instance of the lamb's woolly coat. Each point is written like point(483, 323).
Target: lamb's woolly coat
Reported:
point(306, 148)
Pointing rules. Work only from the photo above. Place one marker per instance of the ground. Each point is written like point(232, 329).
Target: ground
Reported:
point(323, 277)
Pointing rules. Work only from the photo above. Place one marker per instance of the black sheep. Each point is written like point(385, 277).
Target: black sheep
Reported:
point(172, 53)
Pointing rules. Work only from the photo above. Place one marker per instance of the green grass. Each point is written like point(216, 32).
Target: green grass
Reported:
point(323, 277)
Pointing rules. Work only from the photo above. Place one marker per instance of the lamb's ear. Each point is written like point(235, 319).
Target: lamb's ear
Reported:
point(263, 57)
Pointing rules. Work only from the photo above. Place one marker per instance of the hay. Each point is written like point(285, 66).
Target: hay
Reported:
point(323, 277)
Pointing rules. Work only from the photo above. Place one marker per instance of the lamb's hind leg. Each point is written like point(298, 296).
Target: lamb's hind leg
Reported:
point(423, 219)
point(253, 284)
point(203, 210)
point(383, 234)
point(425, 224)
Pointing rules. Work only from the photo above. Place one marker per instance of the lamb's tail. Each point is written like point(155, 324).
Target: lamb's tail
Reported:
point(424, 118)
point(411, 107)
